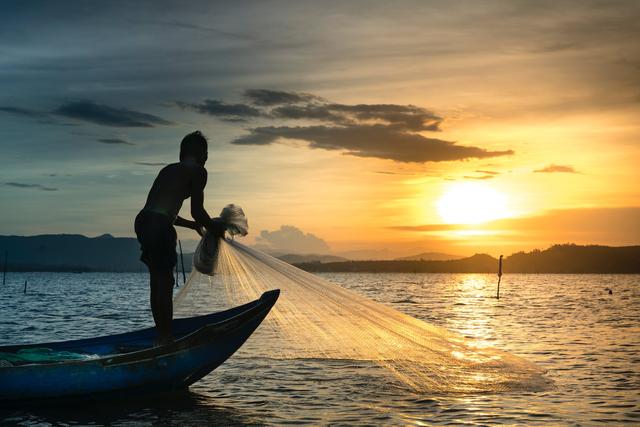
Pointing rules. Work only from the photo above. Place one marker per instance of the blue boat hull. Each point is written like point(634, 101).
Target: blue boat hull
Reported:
point(129, 364)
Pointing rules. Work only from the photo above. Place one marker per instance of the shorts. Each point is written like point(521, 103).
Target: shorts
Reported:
point(157, 239)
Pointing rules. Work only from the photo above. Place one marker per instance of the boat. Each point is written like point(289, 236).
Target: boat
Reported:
point(128, 364)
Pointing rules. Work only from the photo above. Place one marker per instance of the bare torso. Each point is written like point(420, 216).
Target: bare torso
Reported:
point(174, 184)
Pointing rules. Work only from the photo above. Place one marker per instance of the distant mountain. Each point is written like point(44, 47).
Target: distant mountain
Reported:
point(71, 252)
point(557, 259)
point(429, 256)
point(571, 258)
point(298, 259)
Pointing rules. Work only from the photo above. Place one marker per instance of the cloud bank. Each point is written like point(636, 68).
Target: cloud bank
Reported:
point(556, 168)
point(32, 186)
point(105, 115)
point(230, 112)
point(384, 131)
point(114, 141)
point(24, 112)
point(289, 239)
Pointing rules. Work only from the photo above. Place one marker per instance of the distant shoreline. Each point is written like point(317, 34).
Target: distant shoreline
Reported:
point(558, 259)
point(77, 253)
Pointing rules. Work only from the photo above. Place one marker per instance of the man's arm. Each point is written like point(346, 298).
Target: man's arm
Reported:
point(198, 212)
point(181, 222)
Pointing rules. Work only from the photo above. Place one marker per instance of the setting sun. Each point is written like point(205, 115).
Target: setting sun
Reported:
point(471, 203)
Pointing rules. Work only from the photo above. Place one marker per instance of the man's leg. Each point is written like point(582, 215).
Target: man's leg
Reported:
point(162, 303)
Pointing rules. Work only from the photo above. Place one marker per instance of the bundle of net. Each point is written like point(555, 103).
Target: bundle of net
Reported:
point(317, 319)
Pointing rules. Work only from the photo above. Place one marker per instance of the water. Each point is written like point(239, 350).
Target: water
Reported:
point(587, 340)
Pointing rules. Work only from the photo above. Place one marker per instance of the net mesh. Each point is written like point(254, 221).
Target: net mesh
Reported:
point(314, 318)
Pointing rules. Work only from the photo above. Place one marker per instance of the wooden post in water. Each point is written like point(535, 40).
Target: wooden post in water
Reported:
point(25, 287)
point(499, 276)
point(184, 277)
point(4, 272)
point(176, 274)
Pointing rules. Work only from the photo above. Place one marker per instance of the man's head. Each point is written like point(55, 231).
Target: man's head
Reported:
point(194, 145)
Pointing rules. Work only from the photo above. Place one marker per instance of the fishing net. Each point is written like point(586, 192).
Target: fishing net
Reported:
point(314, 318)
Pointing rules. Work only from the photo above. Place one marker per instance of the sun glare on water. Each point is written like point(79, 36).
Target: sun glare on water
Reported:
point(472, 203)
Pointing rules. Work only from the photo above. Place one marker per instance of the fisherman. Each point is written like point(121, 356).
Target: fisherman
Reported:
point(154, 224)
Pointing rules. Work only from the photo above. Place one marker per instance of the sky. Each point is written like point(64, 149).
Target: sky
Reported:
point(363, 128)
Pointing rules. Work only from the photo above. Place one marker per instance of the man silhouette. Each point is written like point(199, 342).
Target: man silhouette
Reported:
point(154, 224)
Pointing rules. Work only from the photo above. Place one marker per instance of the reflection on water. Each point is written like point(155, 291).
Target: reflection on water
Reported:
point(585, 338)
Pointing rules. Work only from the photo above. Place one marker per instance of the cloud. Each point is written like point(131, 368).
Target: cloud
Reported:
point(267, 98)
point(23, 112)
point(385, 131)
point(114, 141)
point(401, 117)
point(393, 173)
point(556, 168)
point(151, 163)
point(290, 239)
point(39, 116)
point(231, 112)
point(486, 174)
point(34, 186)
point(480, 177)
point(105, 115)
point(370, 141)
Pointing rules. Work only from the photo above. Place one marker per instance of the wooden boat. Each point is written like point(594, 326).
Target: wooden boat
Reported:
point(128, 363)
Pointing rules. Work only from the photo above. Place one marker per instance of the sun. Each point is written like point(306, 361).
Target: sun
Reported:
point(472, 203)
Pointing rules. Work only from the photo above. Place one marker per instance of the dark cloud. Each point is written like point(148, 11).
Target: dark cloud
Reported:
point(309, 112)
point(151, 163)
point(556, 168)
point(370, 141)
point(402, 117)
point(23, 112)
point(486, 172)
point(386, 131)
point(34, 186)
point(114, 141)
point(38, 116)
point(290, 239)
point(231, 112)
point(268, 98)
point(405, 117)
point(105, 115)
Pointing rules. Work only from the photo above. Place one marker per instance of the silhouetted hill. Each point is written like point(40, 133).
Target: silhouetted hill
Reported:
point(71, 252)
point(557, 259)
point(570, 258)
point(429, 256)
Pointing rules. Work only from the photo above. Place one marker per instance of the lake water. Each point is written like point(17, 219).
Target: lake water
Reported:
point(587, 340)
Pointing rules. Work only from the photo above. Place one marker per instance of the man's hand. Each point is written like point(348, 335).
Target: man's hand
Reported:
point(217, 226)
point(181, 222)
